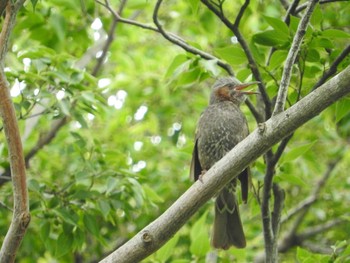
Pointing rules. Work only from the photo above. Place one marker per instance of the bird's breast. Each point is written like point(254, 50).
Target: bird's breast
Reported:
point(220, 128)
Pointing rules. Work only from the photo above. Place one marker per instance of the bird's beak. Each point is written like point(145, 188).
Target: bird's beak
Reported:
point(242, 86)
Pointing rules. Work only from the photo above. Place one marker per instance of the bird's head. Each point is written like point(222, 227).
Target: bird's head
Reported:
point(230, 89)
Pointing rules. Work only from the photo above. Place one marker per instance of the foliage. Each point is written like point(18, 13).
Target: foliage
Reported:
point(123, 156)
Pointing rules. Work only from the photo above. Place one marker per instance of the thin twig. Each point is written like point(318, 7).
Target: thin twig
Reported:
point(254, 111)
point(49, 136)
point(315, 230)
point(316, 247)
point(285, 4)
point(240, 14)
point(301, 239)
point(110, 38)
point(281, 147)
point(312, 198)
point(303, 6)
point(2, 204)
point(293, 52)
point(184, 45)
point(292, 238)
point(279, 197)
point(169, 36)
point(291, 11)
point(333, 68)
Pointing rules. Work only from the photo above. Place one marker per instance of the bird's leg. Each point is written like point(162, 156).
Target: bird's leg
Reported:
point(200, 177)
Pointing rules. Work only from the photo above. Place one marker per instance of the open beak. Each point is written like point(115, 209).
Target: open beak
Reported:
point(242, 86)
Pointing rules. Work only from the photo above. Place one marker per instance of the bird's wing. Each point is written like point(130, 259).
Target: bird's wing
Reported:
point(196, 168)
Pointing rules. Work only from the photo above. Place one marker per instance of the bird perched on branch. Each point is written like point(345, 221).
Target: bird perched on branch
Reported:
point(221, 126)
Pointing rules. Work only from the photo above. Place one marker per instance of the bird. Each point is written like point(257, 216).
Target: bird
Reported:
point(221, 126)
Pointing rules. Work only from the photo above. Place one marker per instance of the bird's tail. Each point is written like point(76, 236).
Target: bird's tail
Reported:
point(228, 229)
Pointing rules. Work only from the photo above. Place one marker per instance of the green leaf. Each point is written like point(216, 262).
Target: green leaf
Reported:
point(33, 3)
point(77, 77)
point(293, 179)
point(233, 55)
point(138, 4)
point(105, 208)
point(33, 185)
point(36, 52)
point(58, 23)
point(313, 55)
point(277, 58)
point(91, 224)
point(296, 152)
point(64, 244)
point(294, 23)
point(174, 68)
point(257, 53)
point(335, 33)
point(200, 237)
point(194, 5)
point(316, 17)
point(278, 25)
point(80, 118)
point(64, 106)
point(303, 255)
point(271, 38)
point(111, 184)
point(151, 194)
point(79, 238)
point(67, 215)
point(50, 245)
point(45, 230)
point(167, 250)
point(189, 77)
point(321, 42)
point(342, 109)
point(210, 66)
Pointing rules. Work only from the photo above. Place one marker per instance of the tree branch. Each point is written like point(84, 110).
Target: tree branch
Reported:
point(312, 198)
point(296, 239)
point(292, 238)
point(316, 248)
point(49, 136)
point(169, 36)
point(269, 237)
point(315, 230)
point(303, 6)
point(333, 68)
point(153, 236)
point(291, 11)
point(279, 196)
point(292, 54)
point(110, 38)
point(186, 46)
point(21, 216)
